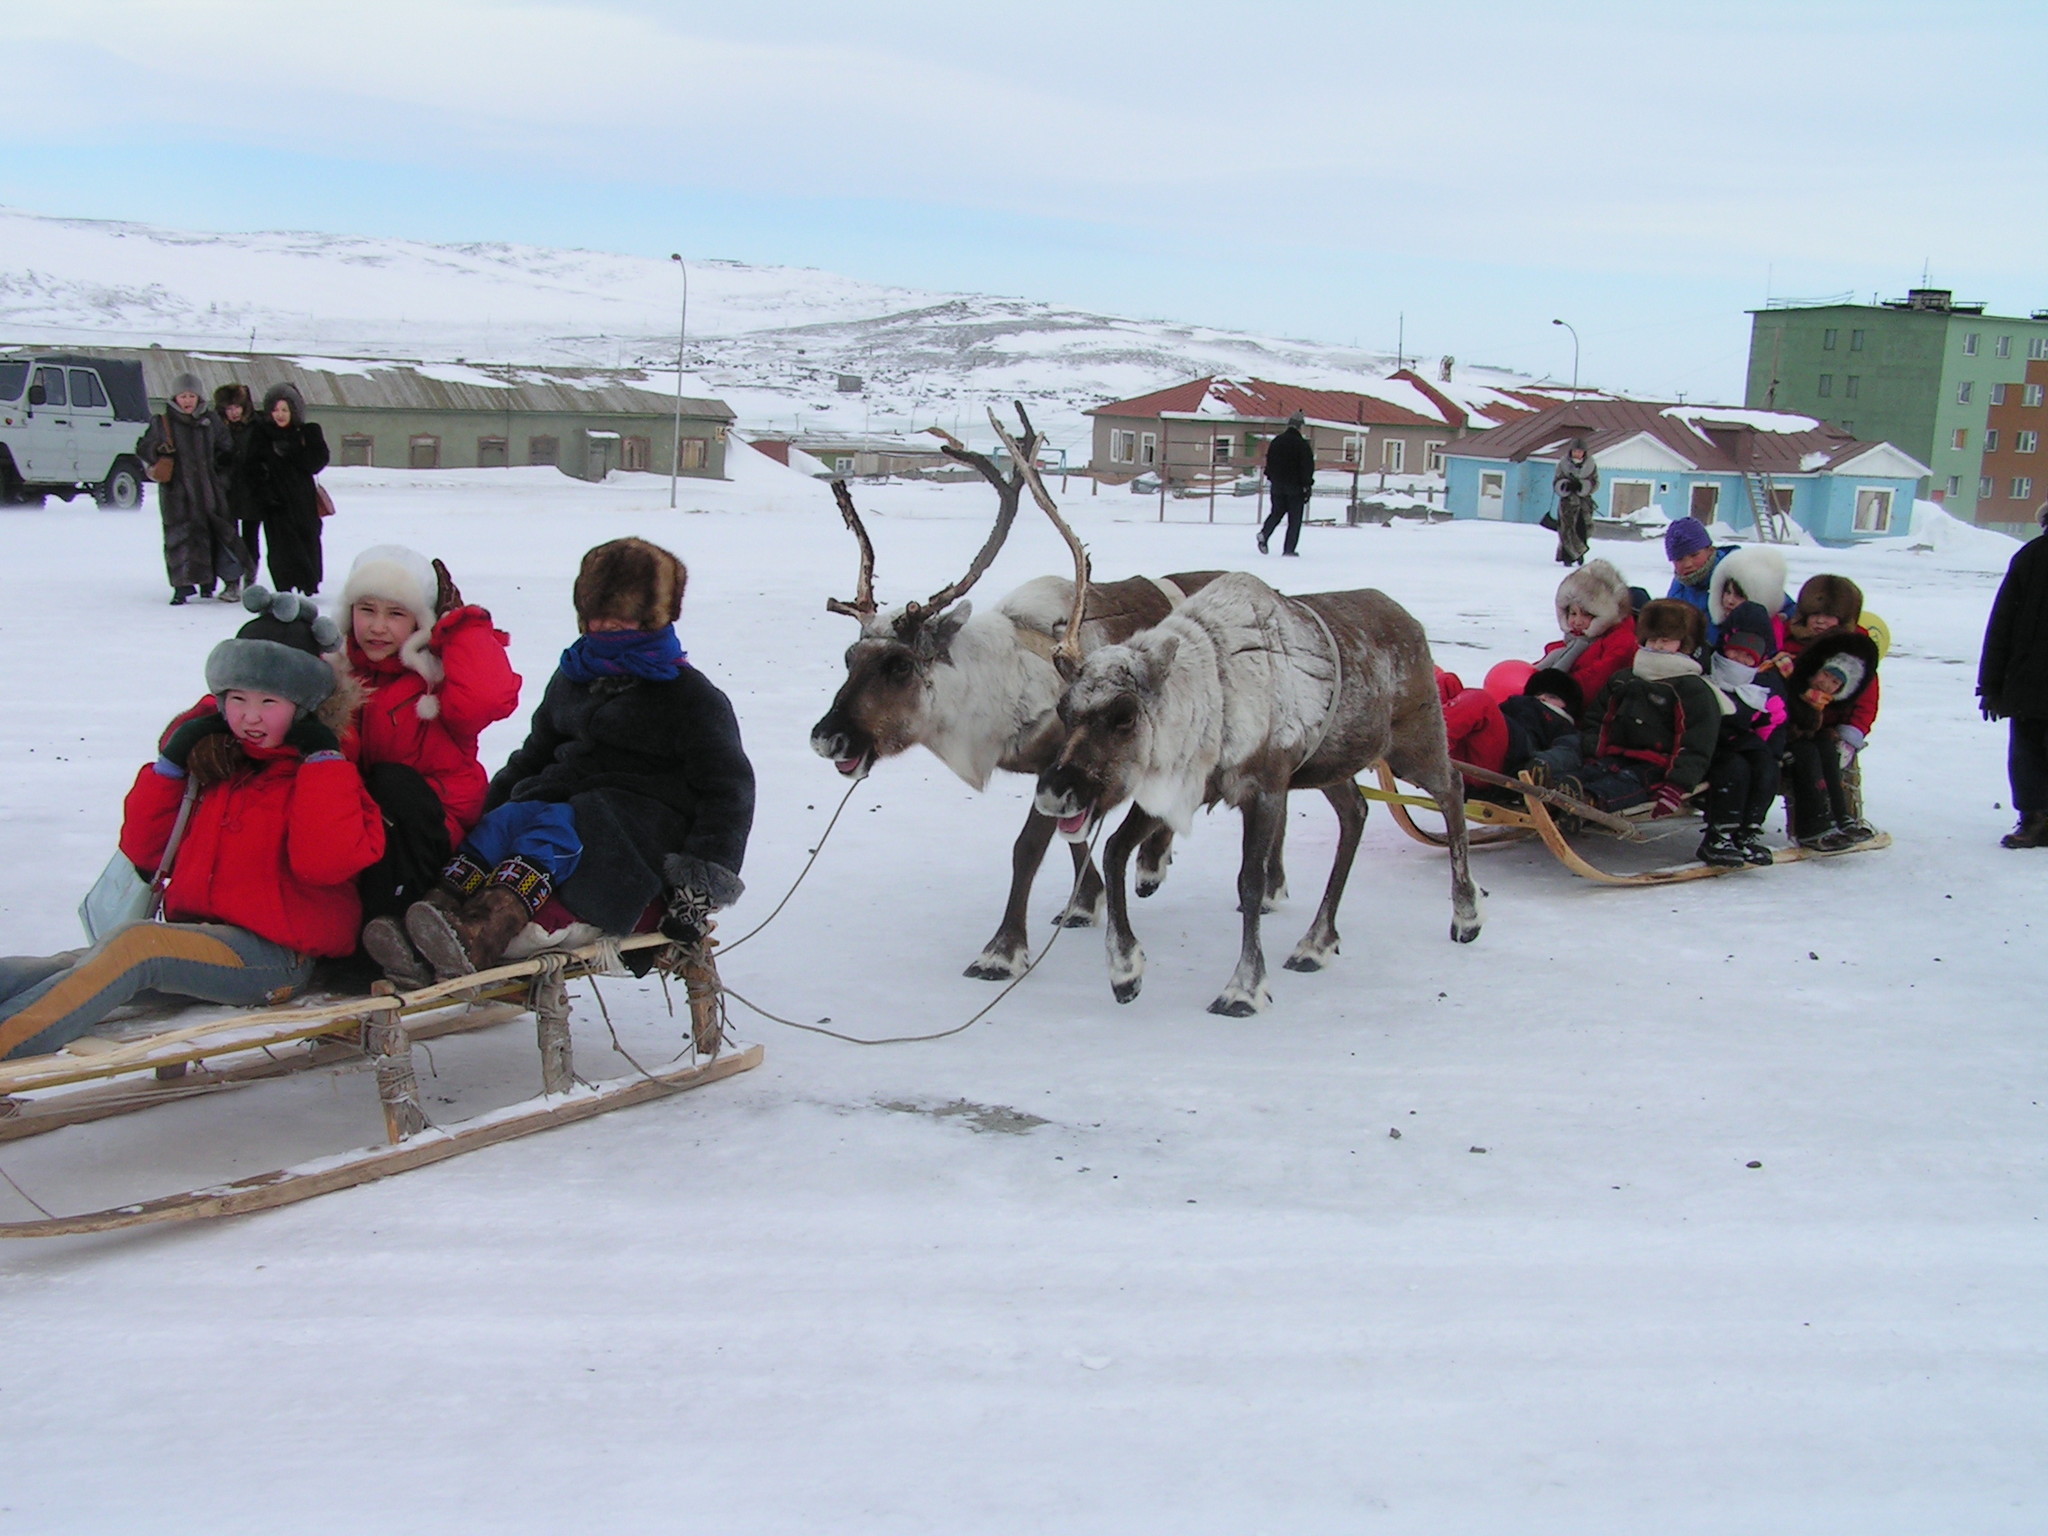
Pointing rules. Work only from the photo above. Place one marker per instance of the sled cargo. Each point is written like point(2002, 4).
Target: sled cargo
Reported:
point(1536, 813)
point(96, 1077)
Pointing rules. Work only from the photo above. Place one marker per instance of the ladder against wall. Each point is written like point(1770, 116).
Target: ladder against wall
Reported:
point(1768, 506)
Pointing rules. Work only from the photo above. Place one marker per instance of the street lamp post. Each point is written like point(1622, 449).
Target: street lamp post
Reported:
point(675, 448)
point(1575, 354)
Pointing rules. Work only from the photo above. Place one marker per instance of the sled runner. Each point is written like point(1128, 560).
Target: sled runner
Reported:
point(97, 1077)
point(1538, 814)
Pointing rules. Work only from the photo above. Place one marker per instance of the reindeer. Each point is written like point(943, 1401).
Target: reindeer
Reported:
point(1236, 697)
point(978, 690)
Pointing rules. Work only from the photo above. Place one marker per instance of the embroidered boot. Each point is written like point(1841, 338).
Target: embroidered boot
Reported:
point(476, 937)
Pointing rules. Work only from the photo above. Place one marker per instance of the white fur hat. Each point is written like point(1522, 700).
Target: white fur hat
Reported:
point(1598, 587)
point(1758, 570)
point(406, 577)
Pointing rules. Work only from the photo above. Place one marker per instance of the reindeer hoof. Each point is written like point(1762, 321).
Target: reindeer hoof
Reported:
point(1310, 958)
point(994, 967)
point(1236, 1003)
point(1147, 887)
point(1075, 917)
point(1124, 991)
point(1464, 932)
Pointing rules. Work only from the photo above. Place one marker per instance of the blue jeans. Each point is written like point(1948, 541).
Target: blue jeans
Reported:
point(48, 1000)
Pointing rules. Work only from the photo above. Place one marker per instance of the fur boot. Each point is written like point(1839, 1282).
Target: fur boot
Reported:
point(386, 942)
point(475, 936)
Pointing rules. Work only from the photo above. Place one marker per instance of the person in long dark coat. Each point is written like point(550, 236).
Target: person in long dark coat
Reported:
point(200, 543)
point(285, 452)
point(1574, 481)
point(1291, 469)
point(236, 408)
point(2012, 685)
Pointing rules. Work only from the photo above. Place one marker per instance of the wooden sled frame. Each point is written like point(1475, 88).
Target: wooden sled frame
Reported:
point(377, 1031)
point(1502, 823)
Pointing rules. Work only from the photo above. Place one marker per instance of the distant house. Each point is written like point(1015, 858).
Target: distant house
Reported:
point(418, 415)
point(1216, 424)
point(860, 456)
point(1661, 462)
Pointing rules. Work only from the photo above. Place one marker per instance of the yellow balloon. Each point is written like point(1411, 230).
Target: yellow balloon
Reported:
point(1878, 630)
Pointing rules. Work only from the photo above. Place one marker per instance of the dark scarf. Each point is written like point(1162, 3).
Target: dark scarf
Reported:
point(654, 654)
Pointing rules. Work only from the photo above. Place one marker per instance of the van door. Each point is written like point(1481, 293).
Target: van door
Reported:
point(47, 455)
point(93, 436)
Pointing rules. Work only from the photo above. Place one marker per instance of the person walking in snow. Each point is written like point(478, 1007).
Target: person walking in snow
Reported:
point(236, 410)
point(1574, 481)
point(285, 452)
point(200, 542)
point(2012, 685)
point(1291, 470)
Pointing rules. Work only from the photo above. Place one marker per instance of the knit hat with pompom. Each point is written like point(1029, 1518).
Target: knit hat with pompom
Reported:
point(279, 652)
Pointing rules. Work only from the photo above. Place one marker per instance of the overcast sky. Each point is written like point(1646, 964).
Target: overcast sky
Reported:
point(1645, 171)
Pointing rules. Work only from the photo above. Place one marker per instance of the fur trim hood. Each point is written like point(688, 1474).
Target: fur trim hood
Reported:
point(1670, 619)
point(1852, 646)
point(1837, 596)
point(1600, 589)
point(406, 577)
point(633, 580)
point(278, 392)
point(1758, 570)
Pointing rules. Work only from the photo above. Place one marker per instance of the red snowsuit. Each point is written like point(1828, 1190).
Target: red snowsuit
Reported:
point(436, 734)
point(1861, 711)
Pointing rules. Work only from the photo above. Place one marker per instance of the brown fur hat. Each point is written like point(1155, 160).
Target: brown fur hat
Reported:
point(1600, 589)
point(1669, 619)
point(1836, 595)
point(633, 580)
point(234, 394)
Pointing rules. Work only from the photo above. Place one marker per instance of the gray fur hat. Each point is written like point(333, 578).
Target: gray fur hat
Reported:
point(281, 651)
point(187, 384)
point(1298, 419)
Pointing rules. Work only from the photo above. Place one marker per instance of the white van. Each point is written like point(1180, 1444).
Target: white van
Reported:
point(70, 423)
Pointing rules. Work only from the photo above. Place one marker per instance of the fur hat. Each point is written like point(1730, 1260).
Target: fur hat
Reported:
point(1757, 571)
point(405, 577)
point(281, 651)
point(188, 384)
point(1684, 536)
point(1749, 626)
point(1837, 596)
point(1669, 619)
point(278, 392)
point(1560, 685)
point(633, 580)
point(234, 394)
point(1598, 588)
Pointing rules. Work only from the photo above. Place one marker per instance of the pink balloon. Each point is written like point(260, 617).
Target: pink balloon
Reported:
point(1504, 680)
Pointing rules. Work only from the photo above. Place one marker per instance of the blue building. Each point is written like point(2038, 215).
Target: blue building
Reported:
point(1716, 463)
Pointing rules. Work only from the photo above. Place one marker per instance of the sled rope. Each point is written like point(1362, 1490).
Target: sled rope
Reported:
point(736, 943)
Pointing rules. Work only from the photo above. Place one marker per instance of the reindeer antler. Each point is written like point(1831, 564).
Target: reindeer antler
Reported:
point(1066, 655)
point(863, 605)
point(1009, 492)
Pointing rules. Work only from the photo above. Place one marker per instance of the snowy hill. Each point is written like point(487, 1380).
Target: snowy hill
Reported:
point(770, 340)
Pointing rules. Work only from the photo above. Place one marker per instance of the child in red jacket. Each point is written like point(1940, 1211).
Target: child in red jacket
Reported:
point(1595, 616)
point(434, 674)
point(263, 880)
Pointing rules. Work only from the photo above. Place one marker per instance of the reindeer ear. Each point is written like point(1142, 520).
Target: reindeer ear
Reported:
point(935, 636)
point(1159, 661)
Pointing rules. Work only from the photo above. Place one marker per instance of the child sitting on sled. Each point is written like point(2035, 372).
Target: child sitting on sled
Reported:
point(1594, 615)
point(263, 878)
point(1742, 779)
point(1822, 692)
point(628, 807)
point(1502, 737)
point(1828, 605)
point(433, 673)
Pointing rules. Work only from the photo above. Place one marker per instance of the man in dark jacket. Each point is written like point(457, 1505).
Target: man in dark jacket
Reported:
point(2012, 685)
point(1291, 469)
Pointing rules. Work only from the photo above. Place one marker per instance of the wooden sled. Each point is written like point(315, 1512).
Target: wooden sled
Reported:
point(230, 1051)
point(1538, 814)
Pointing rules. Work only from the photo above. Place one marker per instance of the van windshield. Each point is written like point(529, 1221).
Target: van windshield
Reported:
point(12, 377)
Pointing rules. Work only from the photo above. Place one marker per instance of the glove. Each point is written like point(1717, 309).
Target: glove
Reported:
point(696, 889)
point(177, 747)
point(1850, 743)
point(686, 915)
point(1669, 798)
point(448, 596)
point(310, 735)
point(1989, 707)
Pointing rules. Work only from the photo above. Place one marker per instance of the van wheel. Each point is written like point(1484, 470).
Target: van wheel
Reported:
point(122, 489)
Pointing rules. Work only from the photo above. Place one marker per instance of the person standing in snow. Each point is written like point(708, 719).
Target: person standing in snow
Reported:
point(2012, 685)
point(236, 409)
point(1291, 470)
point(285, 452)
point(200, 542)
point(1574, 481)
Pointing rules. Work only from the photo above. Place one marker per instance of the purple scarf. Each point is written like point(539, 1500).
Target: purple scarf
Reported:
point(655, 654)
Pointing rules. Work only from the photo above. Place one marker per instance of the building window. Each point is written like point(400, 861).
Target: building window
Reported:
point(1852, 385)
point(1873, 511)
point(1219, 450)
point(695, 454)
point(2022, 488)
point(1970, 344)
point(1983, 487)
point(1148, 448)
point(634, 453)
point(1123, 447)
point(1393, 455)
point(2037, 347)
point(1827, 341)
point(1959, 439)
point(1354, 450)
point(1433, 457)
point(2031, 395)
point(2002, 347)
point(2026, 442)
point(1855, 341)
point(543, 450)
point(1991, 440)
point(1827, 385)
point(1963, 392)
point(1628, 498)
point(842, 464)
point(424, 451)
point(491, 453)
point(1955, 485)
point(1998, 394)
point(1848, 425)
point(358, 450)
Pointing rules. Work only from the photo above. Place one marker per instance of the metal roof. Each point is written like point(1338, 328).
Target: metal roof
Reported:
point(1714, 439)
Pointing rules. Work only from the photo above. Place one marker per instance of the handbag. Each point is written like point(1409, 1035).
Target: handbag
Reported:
point(121, 897)
point(326, 501)
point(165, 464)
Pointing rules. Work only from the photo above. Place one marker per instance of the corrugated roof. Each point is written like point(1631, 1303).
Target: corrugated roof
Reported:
point(1264, 400)
point(1722, 443)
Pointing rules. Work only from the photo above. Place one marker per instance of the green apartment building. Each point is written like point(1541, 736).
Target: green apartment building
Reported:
point(1922, 373)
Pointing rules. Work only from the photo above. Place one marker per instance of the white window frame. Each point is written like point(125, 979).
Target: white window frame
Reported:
point(2030, 395)
point(1955, 485)
point(1148, 448)
point(842, 463)
point(1123, 445)
point(2002, 347)
point(1991, 439)
point(2026, 442)
point(1998, 394)
point(2037, 348)
point(1394, 455)
point(1354, 450)
point(1499, 481)
point(1433, 455)
point(1222, 448)
point(1964, 390)
point(1983, 487)
point(1970, 344)
point(1959, 439)
point(2022, 487)
point(1874, 509)
point(1614, 496)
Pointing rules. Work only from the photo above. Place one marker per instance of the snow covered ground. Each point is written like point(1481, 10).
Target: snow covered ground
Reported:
point(1083, 1268)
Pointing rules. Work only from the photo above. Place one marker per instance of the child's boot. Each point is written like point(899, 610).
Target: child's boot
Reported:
point(1751, 841)
point(385, 941)
point(1720, 849)
point(476, 937)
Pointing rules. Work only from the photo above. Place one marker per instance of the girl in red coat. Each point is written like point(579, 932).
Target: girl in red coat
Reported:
point(263, 880)
point(434, 674)
point(1594, 614)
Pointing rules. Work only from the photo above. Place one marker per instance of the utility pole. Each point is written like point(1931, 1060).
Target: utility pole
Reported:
point(675, 450)
point(1575, 356)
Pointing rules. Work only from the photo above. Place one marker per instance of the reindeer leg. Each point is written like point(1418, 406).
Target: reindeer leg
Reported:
point(1245, 993)
point(1006, 954)
point(1084, 907)
point(1320, 942)
point(1126, 957)
point(1276, 866)
point(1154, 854)
point(1431, 768)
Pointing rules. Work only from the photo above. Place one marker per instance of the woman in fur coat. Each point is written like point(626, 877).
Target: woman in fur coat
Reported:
point(200, 543)
point(285, 452)
point(236, 410)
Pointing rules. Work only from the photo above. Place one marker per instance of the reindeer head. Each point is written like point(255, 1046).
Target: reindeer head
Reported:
point(1111, 712)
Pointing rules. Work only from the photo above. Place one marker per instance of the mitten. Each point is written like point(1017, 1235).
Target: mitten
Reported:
point(1670, 800)
point(685, 915)
point(1851, 741)
point(311, 736)
point(447, 596)
point(177, 747)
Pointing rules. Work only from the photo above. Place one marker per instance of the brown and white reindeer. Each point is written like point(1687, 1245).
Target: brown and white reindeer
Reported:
point(1238, 696)
point(979, 690)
